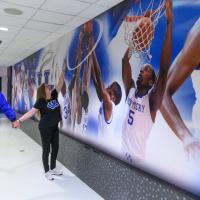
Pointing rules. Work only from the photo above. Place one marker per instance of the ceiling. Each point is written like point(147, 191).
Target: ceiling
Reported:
point(42, 22)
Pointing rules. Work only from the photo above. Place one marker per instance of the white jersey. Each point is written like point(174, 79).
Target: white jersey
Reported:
point(82, 127)
point(195, 83)
point(66, 112)
point(196, 26)
point(104, 127)
point(195, 110)
point(137, 126)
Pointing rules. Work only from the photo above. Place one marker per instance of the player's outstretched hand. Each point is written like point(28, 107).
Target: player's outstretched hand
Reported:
point(191, 147)
point(168, 10)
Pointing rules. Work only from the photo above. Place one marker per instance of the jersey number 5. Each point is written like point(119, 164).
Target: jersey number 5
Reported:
point(130, 117)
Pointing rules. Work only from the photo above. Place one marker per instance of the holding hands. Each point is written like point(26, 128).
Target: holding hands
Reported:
point(16, 124)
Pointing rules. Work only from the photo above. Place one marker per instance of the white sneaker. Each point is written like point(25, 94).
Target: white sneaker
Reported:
point(56, 172)
point(49, 176)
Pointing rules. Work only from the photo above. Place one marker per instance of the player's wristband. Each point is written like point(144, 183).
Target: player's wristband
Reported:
point(19, 121)
point(189, 140)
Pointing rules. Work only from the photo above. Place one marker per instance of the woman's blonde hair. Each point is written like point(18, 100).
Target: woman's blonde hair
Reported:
point(40, 95)
point(41, 92)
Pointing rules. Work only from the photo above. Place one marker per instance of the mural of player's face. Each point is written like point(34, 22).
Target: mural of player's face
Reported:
point(145, 77)
point(110, 90)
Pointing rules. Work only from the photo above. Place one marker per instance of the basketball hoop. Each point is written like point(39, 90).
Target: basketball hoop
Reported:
point(140, 28)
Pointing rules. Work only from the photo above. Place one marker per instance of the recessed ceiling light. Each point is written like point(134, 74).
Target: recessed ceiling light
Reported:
point(13, 11)
point(3, 29)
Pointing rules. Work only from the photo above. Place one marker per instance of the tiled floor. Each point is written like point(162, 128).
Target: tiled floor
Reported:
point(21, 172)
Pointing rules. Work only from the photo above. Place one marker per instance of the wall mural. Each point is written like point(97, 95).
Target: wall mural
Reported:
point(122, 92)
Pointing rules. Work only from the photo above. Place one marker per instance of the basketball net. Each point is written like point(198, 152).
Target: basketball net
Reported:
point(139, 38)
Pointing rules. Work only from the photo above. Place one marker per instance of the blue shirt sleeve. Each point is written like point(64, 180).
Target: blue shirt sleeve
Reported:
point(6, 109)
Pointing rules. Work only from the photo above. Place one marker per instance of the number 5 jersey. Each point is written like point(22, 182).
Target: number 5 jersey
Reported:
point(136, 126)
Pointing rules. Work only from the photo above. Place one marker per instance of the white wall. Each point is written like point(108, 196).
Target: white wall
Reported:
point(3, 74)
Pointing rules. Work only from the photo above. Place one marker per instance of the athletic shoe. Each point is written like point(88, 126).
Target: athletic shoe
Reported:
point(56, 172)
point(49, 176)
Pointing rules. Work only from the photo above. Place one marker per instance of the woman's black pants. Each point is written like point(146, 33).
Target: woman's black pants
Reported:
point(50, 140)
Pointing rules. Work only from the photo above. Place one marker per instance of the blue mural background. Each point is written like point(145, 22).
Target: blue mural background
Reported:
point(46, 64)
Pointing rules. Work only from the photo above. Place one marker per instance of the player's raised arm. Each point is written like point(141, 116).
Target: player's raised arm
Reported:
point(72, 82)
point(95, 79)
point(157, 93)
point(102, 90)
point(61, 77)
point(96, 73)
point(127, 72)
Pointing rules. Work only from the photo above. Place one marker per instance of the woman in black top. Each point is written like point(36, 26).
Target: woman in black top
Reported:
point(48, 108)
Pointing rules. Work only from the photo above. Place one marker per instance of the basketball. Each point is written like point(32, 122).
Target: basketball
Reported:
point(143, 34)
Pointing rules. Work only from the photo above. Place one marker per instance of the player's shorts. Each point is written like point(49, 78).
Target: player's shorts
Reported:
point(126, 154)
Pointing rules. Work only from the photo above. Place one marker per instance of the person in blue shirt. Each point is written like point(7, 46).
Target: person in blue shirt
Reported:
point(6, 109)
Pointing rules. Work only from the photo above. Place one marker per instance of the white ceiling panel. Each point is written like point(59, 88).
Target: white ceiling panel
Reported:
point(64, 29)
point(90, 1)
point(28, 3)
point(42, 26)
point(38, 46)
point(108, 3)
point(46, 16)
point(11, 30)
point(51, 38)
point(11, 21)
point(4, 44)
point(28, 34)
point(27, 12)
point(6, 35)
point(4, 57)
point(22, 43)
point(92, 11)
point(72, 7)
point(77, 21)
point(14, 50)
point(42, 22)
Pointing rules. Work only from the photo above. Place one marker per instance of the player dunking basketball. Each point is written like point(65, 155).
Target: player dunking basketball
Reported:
point(139, 29)
point(142, 105)
point(182, 67)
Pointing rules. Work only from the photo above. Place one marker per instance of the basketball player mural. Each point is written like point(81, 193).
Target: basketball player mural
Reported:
point(66, 105)
point(109, 97)
point(186, 61)
point(19, 87)
point(139, 29)
point(142, 105)
point(80, 98)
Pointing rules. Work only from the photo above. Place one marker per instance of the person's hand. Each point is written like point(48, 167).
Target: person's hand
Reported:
point(16, 124)
point(191, 146)
point(168, 10)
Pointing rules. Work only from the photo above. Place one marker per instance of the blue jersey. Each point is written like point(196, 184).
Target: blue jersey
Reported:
point(6, 109)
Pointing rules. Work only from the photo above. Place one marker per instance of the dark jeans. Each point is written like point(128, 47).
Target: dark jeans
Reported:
point(50, 139)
